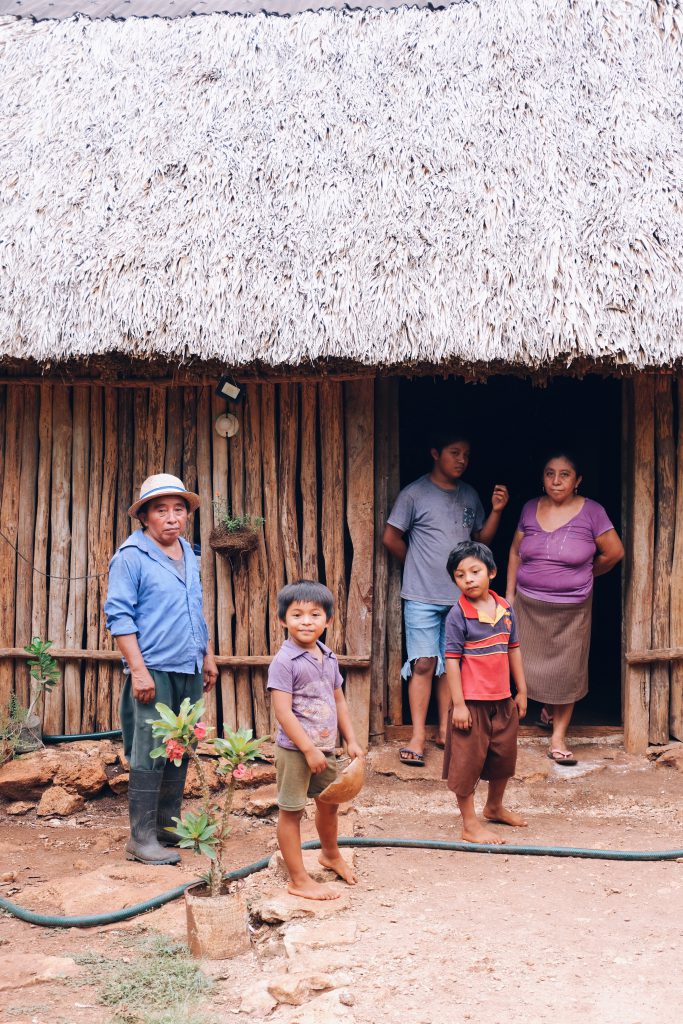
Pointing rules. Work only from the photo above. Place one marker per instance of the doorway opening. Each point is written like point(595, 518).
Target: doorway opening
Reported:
point(513, 425)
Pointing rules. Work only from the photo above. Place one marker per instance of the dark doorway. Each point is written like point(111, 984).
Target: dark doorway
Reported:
point(512, 426)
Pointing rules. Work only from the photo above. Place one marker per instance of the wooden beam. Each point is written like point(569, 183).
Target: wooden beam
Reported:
point(92, 611)
point(308, 479)
point(240, 578)
point(225, 606)
point(289, 445)
point(9, 515)
point(394, 611)
point(235, 661)
point(665, 470)
point(655, 656)
point(258, 560)
point(75, 617)
point(208, 559)
point(332, 473)
point(39, 612)
point(640, 589)
point(26, 534)
point(105, 551)
point(378, 686)
point(676, 620)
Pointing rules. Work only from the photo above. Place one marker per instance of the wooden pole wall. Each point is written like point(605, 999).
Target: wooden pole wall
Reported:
point(665, 505)
point(676, 611)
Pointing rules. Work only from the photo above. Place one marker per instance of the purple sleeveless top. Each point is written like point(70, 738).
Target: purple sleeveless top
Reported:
point(557, 566)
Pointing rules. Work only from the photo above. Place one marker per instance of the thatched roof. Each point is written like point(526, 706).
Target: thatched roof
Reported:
point(495, 183)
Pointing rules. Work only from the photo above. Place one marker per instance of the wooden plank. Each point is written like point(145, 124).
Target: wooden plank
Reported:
point(78, 568)
point(401, 733)
point(124, 499)
point(60, 545)
point(360, 518)
point(240, 578)
point(271, 528)
point(332, 473)
point(289, 445)
point(105, 552)
point(189, 475)
point(225, 606)
point(156, 431)
point(173, 459)
point(640, 591)
point(378, 696)
point(42, 527)
point(208, 559)
point(140, 441)
point(26, 534)
point(655, 656)
point(92, 609)
point(258, 564)
point(3, 420)
point(394, 639)
point(676, 619)
point(9, 511)
point(308, 481)
point(233, 660)
point(665, 451)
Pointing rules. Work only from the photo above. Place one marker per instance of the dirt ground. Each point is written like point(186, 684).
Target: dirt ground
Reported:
point(431, 936)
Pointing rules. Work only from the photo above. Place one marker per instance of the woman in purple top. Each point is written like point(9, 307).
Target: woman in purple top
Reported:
point(563, 541)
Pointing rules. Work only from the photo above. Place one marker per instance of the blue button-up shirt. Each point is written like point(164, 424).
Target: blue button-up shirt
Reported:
point(147, 595)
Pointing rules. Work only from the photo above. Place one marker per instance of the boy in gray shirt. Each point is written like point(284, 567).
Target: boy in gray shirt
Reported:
point(429, 518)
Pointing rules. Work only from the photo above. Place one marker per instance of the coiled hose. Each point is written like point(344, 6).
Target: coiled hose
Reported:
point(114, 916)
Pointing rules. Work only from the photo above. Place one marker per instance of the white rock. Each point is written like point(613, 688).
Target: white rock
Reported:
point(303, 937)
point(285, 907)
point(326, 1009)
point(298, 988)
point(20, 970)
point(258, 1000)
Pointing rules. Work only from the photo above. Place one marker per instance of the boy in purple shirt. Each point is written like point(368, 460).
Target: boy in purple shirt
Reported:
point(309, 705)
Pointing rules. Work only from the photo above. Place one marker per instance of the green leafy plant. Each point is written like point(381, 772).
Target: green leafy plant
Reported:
point(232, 523)
point(14, 717)
point(43, 669)
point(207, 831)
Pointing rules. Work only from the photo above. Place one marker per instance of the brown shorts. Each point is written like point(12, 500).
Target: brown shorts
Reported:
point(486, 751)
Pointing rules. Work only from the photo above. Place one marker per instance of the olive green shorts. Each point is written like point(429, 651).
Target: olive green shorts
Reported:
point(295, 780)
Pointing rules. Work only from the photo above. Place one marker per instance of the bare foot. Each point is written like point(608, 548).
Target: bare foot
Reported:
point(502, 816)
point(476, 833)
point(340, 867)
point(311, 890)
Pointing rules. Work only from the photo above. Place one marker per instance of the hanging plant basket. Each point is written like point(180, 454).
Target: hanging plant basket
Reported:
point(233, 542)
point(217, 926)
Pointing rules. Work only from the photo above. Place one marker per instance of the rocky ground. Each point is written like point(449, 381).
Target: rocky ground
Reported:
point(424, 936)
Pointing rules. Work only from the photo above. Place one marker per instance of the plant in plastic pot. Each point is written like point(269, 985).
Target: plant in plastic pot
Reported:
point(216, 912)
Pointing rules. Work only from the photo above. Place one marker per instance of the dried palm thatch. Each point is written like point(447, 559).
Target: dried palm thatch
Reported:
point(498, 182)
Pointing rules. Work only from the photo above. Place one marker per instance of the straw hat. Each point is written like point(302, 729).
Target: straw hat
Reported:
point(160, 485)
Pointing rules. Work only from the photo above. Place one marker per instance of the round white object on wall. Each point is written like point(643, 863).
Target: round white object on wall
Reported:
point(227, 425)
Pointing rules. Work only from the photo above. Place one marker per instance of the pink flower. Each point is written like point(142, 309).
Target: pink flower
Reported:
point(242, 773)
point(174, 749)
point(200, 730)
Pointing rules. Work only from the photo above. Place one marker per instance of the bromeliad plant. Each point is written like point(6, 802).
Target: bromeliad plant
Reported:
point(207, 831)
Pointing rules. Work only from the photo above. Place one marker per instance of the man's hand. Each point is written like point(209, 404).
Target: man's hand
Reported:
point(499, 498)
point(354, 750)
point(462, 719)
point(144, 689)
point(210, 671)
point(316, 760)
point(520, 701)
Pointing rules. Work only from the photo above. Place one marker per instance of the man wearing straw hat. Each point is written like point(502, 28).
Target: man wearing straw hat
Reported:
point(154, 612)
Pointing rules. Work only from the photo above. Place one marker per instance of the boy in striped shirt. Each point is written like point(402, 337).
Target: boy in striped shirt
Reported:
point(482, 650)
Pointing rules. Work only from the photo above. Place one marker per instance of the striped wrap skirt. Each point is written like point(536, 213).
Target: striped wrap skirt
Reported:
point(555, 643)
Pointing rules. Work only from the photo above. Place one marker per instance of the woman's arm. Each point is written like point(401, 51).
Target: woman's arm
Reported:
point(610, 552)
point(394, 543)
point(144, 689)
point(514, 562)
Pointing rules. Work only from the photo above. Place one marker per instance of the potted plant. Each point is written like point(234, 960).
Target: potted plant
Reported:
point(231, 534)
point(216, 912)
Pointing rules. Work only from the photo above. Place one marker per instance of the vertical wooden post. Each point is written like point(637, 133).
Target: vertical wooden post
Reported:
point(258, 562)
point(39, 616)
point(156, 426)
point(92, 608)
point(676, 634)
point(639, 596)
point(140, 440)
point(276, 576)
point(9, 512)
point(25, 534)
point(173, 459)
point(3, 417)
point(240, 578)
point(124, 524)
point(75, 617)
point(60, 544)
point(360, 518)
point(332, 465)
point(289, 443)
point(208, 559)
point(310, 531)
point(663, 557)
point(225, 607)
point(378, 695)
point(105, 552)
point(394, 610)
point(189, 476)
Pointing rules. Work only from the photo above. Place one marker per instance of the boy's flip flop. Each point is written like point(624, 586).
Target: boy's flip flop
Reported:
point(563, 757)
point(412, 757)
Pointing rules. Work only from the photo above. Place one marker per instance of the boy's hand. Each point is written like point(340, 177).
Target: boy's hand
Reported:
point(520, 701)
point(354, 750)
point(500, 497)
point(462, 719)
point(316, 760)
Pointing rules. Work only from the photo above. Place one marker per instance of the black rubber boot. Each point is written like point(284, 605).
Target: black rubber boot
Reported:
point(143, 799)
point(170, 799)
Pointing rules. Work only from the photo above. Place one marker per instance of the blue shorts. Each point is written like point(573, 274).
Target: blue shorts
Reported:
point(425, 634)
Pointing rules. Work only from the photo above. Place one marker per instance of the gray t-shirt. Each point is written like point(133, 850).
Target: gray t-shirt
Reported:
point(434, 521)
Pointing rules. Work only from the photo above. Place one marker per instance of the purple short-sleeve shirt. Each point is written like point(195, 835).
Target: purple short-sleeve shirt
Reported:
point(312, 684)
point(557, 565)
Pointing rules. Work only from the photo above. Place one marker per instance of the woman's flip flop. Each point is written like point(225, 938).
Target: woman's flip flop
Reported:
point(563, 757)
